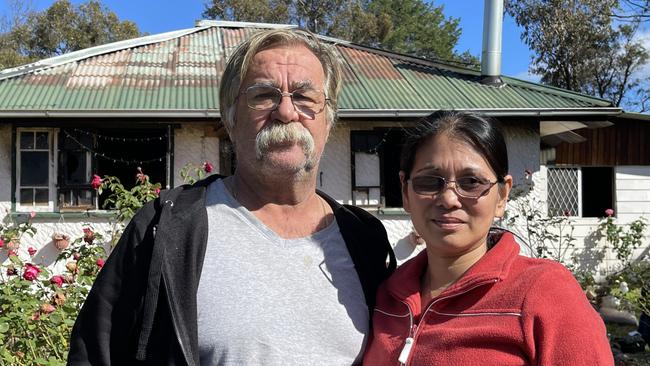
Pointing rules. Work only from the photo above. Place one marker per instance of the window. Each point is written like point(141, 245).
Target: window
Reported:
point(75, 170)
point(35, 169)
point(55, 166)
point(580, 191)
point(375, 167)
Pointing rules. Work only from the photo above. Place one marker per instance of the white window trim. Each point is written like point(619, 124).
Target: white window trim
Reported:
point(53, 166)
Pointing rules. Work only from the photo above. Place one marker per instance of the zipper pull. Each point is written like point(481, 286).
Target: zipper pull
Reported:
point(404, 355)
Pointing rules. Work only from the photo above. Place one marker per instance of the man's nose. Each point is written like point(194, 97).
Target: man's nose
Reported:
point(286, 112)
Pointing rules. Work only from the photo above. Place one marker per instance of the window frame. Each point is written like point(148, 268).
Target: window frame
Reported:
point(580, 189)
point(52, 169)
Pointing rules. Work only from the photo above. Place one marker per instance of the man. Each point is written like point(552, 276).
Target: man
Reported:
point(256, 268)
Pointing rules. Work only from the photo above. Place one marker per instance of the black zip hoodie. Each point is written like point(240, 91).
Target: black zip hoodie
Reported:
point(142, 307)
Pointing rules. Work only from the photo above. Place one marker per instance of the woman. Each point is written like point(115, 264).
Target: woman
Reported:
point(470, 298)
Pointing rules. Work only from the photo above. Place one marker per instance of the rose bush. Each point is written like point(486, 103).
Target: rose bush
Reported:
point(38, 309)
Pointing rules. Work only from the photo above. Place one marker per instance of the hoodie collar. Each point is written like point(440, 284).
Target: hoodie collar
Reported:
point(404, 284)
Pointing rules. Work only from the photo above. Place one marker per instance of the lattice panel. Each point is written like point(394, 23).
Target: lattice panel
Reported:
point(563, 192)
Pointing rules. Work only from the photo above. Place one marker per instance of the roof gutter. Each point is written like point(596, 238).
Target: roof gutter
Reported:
point(342, 113)
point(122, 113)
point(507, 112)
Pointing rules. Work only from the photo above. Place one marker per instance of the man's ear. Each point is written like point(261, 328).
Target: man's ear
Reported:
point(504, 191)
point(405, 191)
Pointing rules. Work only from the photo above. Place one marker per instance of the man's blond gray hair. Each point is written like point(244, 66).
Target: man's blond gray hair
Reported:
point(241, 58)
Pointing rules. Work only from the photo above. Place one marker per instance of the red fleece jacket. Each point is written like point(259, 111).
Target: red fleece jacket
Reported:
point(506, 310)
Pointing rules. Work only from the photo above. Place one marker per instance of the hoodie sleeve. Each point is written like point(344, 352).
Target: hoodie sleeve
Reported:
point(560, 325)
point(108, 316)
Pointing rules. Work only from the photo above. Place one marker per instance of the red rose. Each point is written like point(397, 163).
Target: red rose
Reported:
point(207, 167)
point(57, 280)
point(100, 263)
point(2, 243)
point(31, 251)
point(11, 271)
point(31, 272)
point(609, 212)
point(96, 182)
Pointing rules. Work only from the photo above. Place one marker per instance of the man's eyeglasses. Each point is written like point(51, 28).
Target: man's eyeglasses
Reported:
point(468, 187)
point(309, 102)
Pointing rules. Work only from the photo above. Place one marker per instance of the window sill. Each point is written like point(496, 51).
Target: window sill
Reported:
point(102, 214)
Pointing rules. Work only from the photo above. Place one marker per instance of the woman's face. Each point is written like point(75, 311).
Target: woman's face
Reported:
point(450, 224)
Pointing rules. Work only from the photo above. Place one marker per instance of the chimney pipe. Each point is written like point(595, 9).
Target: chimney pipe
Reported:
point(491, 55)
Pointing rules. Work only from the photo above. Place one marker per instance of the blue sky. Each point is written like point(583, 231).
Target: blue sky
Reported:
point(157, 16)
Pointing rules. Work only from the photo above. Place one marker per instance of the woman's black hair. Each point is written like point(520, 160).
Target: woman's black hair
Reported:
point(482, 133)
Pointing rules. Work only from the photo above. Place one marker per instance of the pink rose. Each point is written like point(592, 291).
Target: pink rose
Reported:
point(89, 235)
point(11, 252)
point(47, 308)
point(31, 272)
point(32, 215)
point(96, 182)
point(2, 243)
point(76, 256)
point(609, 212)
point(207, 167)
point(141, 177)
point(57, 280)
point(31, 251)
point(157, 191)
point(100, 263)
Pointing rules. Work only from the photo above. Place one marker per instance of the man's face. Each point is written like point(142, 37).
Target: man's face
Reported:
point(283, 140)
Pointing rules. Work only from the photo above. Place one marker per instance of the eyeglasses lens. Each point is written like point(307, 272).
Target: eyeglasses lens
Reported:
point(265, 98)
point(470, 187)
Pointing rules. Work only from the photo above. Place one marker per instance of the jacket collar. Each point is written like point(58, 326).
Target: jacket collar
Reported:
point(404, 284)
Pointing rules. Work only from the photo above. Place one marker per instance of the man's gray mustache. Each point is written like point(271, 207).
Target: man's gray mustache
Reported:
point(283, 133)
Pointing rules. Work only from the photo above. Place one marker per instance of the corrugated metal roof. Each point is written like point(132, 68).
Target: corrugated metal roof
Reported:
point(180, 72)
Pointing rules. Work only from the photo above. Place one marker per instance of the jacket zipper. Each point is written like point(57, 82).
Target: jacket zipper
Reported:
point(409, 343)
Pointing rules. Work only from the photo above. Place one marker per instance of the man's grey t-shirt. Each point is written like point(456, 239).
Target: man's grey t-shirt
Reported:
point(265, 300)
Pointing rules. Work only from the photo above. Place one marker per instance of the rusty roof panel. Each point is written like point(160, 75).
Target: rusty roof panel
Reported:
point(183, 73)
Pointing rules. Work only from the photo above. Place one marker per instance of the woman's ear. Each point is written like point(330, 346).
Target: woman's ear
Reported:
point(504, 191)
point(405, 190)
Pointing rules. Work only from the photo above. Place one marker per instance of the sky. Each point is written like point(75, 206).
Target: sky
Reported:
point(158, 16)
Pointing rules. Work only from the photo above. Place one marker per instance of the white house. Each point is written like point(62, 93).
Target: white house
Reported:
point(152, 102)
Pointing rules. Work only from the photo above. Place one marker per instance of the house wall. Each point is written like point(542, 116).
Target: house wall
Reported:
point(522, 139)
point(5, 169)
point(632, 201)
point(195, 143)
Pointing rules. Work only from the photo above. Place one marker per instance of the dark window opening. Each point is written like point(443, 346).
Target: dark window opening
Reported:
point(113, 152)
point(75, 167)
point(597, 191)
point(375, 167)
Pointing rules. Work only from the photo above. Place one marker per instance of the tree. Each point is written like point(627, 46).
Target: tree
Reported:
point(61, 28)
point(578, 47)
point(414, 27)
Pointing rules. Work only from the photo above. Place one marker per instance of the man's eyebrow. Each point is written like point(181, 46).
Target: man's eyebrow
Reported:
point(303, 84)
point(270, 83)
